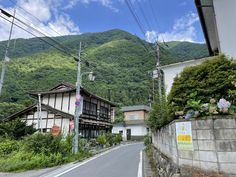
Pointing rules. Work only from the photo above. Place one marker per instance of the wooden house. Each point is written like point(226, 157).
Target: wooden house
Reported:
point(58, 108)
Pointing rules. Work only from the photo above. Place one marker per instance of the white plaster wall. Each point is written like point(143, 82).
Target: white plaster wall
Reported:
point(50, 123)
point(137, 130)
point(58, 101)
point(226, 25)
point(72, 104)
point(65, 126)
point(170, 71)
point(65, 102)
point(52, 100)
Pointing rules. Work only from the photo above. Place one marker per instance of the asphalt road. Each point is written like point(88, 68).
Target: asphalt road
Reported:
point(121, 162)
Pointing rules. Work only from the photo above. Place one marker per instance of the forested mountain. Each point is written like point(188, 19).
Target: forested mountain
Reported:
point(120, 61)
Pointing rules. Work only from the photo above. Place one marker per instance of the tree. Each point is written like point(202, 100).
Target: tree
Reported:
point(15, 129)
point(159, 114)
point(212, 79)
point(7, 109)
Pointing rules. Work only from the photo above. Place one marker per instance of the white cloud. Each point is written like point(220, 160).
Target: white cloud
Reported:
point(47, 11)
point(105, 3)
point(71, 4)
point(151, 36)
point(182, 30)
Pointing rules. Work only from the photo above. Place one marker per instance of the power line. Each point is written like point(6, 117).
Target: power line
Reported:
point(42, 39)
point(145, 18)
point(62, 48)
point(20, 7)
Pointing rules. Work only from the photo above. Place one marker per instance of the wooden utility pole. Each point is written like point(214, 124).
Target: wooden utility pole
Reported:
point(6, 58)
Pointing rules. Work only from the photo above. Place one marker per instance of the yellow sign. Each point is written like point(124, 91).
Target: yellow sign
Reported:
point(184, 136)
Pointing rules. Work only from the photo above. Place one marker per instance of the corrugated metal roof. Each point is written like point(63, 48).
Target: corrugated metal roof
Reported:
point(135, 108)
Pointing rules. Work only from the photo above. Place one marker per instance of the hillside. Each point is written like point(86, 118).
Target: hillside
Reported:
point(118, 59)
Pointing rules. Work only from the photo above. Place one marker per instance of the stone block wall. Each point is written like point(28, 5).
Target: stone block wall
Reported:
point(214, 145)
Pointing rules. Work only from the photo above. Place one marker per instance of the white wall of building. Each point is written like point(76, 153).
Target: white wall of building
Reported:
point(136, 130)
point(116, 129)
point(170, 71)
point(226, 25)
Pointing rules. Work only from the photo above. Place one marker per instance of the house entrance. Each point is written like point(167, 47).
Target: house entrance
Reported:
point(128, 134)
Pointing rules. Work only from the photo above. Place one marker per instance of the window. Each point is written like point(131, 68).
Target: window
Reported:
point(93, 109)
point(103, 112)
point(89, 108)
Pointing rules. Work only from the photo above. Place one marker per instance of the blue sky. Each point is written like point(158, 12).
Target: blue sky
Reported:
point(168, 19)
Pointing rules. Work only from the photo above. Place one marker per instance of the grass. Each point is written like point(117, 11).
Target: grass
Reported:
point(150, 154)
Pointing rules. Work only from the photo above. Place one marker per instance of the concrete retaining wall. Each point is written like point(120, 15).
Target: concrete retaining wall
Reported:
point(214, 145)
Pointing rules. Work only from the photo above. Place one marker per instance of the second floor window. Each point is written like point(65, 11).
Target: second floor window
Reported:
point(104, 112)
point(89, 108)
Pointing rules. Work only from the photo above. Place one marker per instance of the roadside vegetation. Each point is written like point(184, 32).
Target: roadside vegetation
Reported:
point(149, 151)
point(22, 148)
point(199, 91)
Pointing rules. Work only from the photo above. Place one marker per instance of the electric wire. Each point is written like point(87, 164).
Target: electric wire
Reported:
point(42, 39)
point(20, 7)
point(144, 16)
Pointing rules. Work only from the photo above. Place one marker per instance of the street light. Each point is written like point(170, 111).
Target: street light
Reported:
point(91, 76)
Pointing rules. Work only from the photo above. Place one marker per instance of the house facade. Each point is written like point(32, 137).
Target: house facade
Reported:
point(58, 109)
point(217, 18)
point(134, 126)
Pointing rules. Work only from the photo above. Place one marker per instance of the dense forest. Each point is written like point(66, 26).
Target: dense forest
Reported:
point(120, 61)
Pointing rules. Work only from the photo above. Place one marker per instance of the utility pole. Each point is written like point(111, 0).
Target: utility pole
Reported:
point(158, 66)
point(78, 105)
point(40, 114)
point(6, 58)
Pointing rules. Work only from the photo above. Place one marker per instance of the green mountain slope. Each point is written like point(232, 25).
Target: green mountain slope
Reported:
point(118, 59)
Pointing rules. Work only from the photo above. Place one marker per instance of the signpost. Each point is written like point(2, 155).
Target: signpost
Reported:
point(184, 136)
point(55, 130)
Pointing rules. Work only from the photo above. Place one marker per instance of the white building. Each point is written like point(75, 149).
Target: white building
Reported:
point(172, 70)
point(134, 126)
point(219, 25)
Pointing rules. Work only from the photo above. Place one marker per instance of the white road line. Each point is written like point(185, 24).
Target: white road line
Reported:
point(140, 165)
point(86, 161)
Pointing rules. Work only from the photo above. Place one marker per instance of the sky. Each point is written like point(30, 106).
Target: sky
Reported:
point(162, 20)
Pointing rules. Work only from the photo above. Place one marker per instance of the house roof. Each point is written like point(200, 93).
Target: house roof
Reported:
point(66, 88)
point(208, 22)
point(135, 108)
point(187, 63)
point(17, 114)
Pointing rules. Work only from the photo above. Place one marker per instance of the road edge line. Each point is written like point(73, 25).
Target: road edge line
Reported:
point(140, 165)
point(92, 158)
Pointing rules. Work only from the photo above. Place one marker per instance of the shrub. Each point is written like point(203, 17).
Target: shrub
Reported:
point(117, 138)
point(211, 79)
point(147, 140)
point(83, 144)
point(7, 146)
point(15, 129)
point(43, 143)
point(101, 139)
point(159, 114)
point(92, 142)
point(109, 138)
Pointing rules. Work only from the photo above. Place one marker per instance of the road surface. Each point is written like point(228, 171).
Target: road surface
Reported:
point(124, 161)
